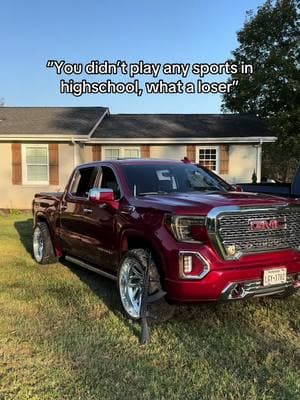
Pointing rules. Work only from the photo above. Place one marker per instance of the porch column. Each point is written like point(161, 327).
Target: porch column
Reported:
point(76, 153)
point(258, 161)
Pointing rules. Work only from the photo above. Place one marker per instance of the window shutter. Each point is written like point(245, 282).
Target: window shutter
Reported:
point(224, 159)
point(16, 153)
point(145, 151)
point(191, 152)
point(53, 164)
point(96, 150)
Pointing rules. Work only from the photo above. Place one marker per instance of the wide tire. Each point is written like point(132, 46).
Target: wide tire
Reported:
point(130, 278)
point(43, 251)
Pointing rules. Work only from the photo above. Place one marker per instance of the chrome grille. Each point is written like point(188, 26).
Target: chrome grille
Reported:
point(233, 228)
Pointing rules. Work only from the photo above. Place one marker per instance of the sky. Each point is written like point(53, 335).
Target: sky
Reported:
point(159, 31)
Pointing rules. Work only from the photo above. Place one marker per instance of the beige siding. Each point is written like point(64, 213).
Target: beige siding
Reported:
point(20, 196)
point(242, 162)
point(242, 159)
point(66, 163)
point(83, 153)
point(88, 155)
point(174, 152)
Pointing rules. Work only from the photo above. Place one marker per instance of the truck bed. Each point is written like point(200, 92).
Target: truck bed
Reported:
point(277, 189)
point(46, 202)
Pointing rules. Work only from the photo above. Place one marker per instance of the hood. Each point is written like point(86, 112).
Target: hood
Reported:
point(190, 203)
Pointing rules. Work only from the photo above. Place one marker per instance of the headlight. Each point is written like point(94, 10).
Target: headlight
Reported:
point(187, 229)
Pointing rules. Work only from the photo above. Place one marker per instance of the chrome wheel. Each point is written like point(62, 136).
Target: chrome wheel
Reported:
point(38, 244)
point(131, 286)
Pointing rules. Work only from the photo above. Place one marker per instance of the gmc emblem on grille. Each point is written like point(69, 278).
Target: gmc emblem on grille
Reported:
point(267, 224)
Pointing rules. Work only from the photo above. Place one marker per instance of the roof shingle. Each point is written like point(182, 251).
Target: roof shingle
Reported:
point(181, 126)
point(48, 120)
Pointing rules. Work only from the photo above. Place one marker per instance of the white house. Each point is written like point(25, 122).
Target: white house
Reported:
point(39, 146)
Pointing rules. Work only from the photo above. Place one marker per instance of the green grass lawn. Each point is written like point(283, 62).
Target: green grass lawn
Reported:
point(63, 336)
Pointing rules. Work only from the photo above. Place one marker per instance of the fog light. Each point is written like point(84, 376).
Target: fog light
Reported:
point(192, 265)
point(230, 250)
point(187, 264)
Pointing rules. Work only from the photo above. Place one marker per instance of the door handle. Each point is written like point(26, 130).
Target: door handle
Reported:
point(127, 210)
point(87, 210)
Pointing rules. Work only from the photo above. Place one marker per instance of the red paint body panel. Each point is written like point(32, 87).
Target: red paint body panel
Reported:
point(101, 236)
point(212, 285)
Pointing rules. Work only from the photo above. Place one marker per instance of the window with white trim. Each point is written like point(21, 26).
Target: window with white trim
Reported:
point(112, 153)
point(35, 164)
point(208, 156)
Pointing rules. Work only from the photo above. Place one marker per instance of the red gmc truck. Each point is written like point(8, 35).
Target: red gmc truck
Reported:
point(205, 243)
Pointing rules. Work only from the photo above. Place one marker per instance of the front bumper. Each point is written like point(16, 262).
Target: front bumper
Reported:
point(220, 274)
point(232, 284)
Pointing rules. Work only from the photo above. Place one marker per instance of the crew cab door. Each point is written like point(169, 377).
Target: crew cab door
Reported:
point(88, 229)
point(100, 238)
point(74, 207)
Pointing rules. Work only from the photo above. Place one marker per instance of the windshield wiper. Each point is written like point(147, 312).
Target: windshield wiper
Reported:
point(206, 188)
point(152, 193)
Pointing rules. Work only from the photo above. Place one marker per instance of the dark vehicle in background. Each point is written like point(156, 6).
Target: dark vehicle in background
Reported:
point(277, 189)
point(199, 240)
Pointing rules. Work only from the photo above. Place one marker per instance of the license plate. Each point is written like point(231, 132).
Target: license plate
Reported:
point(274, 276)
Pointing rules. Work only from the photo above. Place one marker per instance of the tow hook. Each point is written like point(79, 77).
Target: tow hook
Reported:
point(238, 291)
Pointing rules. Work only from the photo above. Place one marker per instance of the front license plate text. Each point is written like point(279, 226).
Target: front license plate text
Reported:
point(274, 276)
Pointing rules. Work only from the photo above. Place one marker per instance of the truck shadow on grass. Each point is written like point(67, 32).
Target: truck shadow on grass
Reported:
point(24, 229)
point(105, 289)
point(102, 287)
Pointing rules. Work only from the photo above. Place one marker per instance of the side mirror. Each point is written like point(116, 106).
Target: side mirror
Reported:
point(101, 196)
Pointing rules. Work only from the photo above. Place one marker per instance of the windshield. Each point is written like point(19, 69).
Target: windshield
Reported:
point(168, 178)
point(221, 181)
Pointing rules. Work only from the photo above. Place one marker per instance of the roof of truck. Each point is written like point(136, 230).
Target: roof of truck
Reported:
point(133, 161)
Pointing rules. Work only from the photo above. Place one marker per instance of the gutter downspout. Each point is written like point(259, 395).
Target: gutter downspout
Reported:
point(258, 160)
point(75, 158)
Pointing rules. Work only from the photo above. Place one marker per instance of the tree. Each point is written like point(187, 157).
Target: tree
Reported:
point(269, 40)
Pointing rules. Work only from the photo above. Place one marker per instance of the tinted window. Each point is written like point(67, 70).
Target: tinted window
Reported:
point(167, 178)
point(108, 180)
point(221, 181)
point(84, 180)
